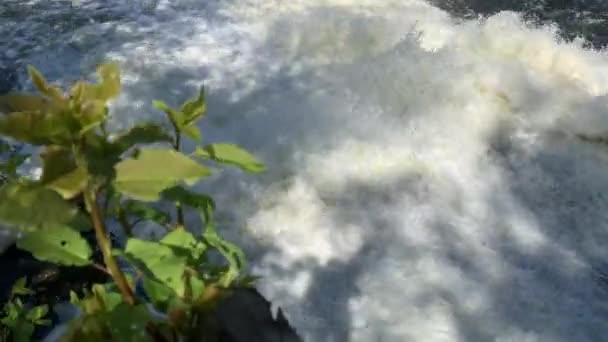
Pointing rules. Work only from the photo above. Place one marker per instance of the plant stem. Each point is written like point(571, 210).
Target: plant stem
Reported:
point(178, 206)
point(106, 248)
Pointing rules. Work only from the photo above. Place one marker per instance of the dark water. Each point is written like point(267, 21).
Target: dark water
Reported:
point(26, 27)
point(575, 18)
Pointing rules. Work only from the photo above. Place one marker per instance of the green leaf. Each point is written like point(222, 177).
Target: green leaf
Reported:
point(37, 313)
point(91, 115)
point(175, 117)
point(198, 287)
point(193, 109)
point(108, 300)
point(71, 184)
point(61, 245)
point(13, 311)
point(193, 132)
point(14, 102)
point(56, 162)
point(231, 154)
point(109, 87)
point(161, 260)
point(96, 301)
point(128, 323)
point(231, 252)
point(92, 328)
point(20, 289)
point(185, 242)
point(45, 322)
point(78, 92)
point(39, 81)
point(36, 128)
point(155, 170)
point(102, 156)
point(160, 294)
point(74, 298)
point(162, 106)
point(143, 134)
point(179, 194)
point(145, 212)
point(28, 207)
point(23, 331)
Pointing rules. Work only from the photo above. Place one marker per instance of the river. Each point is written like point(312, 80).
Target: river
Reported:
point(424, 181)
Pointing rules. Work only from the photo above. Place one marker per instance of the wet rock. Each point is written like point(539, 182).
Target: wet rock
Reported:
point(246, 316)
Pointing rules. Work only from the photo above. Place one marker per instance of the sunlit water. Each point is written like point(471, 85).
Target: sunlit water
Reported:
point(424, 182)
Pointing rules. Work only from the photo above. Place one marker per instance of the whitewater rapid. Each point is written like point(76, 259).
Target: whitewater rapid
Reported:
point(424, 180)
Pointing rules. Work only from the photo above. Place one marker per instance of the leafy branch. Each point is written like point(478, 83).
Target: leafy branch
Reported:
point(121, 179)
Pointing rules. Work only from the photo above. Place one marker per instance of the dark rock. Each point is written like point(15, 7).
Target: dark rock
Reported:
point(245, 316)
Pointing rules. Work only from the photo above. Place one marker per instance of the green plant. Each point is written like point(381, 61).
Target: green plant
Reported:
point(18, 322)
point(121, 178)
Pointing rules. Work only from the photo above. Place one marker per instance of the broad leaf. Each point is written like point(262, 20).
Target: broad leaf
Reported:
point(231, 154)
point(56, 162)
point(92, 328)
point(231, 252)
point(23, 331)
point(193, 109)
point(193, 132)
point(197, 286)
point(91, 115)
point(162, 106)
point(37, 79)
point(109, 300)
point(143, 134)
point(109, 76)
point(78, 92)
point(178, 194)
point(98, 300)
point(162, 261)
point(155, 170)
point(175, 117)
point(160, 294)
point(15, 102)
point(128, 323)
point(102, 156)
point(184, 241)
point(61, 245)
point(41, 84)
point(28, 208)
point(37, 313)
point(71, 184)
point(144, 212)
point(60, 172)
point(20, 289)
point(37, 128)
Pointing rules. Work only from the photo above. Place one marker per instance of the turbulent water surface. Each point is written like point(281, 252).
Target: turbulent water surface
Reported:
point(424, 180)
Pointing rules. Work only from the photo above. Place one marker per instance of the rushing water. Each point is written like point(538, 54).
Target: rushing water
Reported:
point(424, 180)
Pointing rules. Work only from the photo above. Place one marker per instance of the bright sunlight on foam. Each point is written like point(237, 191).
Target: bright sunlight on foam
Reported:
point(423, 183)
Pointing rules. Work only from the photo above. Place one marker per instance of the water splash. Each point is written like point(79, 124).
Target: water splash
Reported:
point(424, 181)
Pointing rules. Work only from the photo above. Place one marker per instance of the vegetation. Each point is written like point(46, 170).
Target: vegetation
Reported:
point(176, 284)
